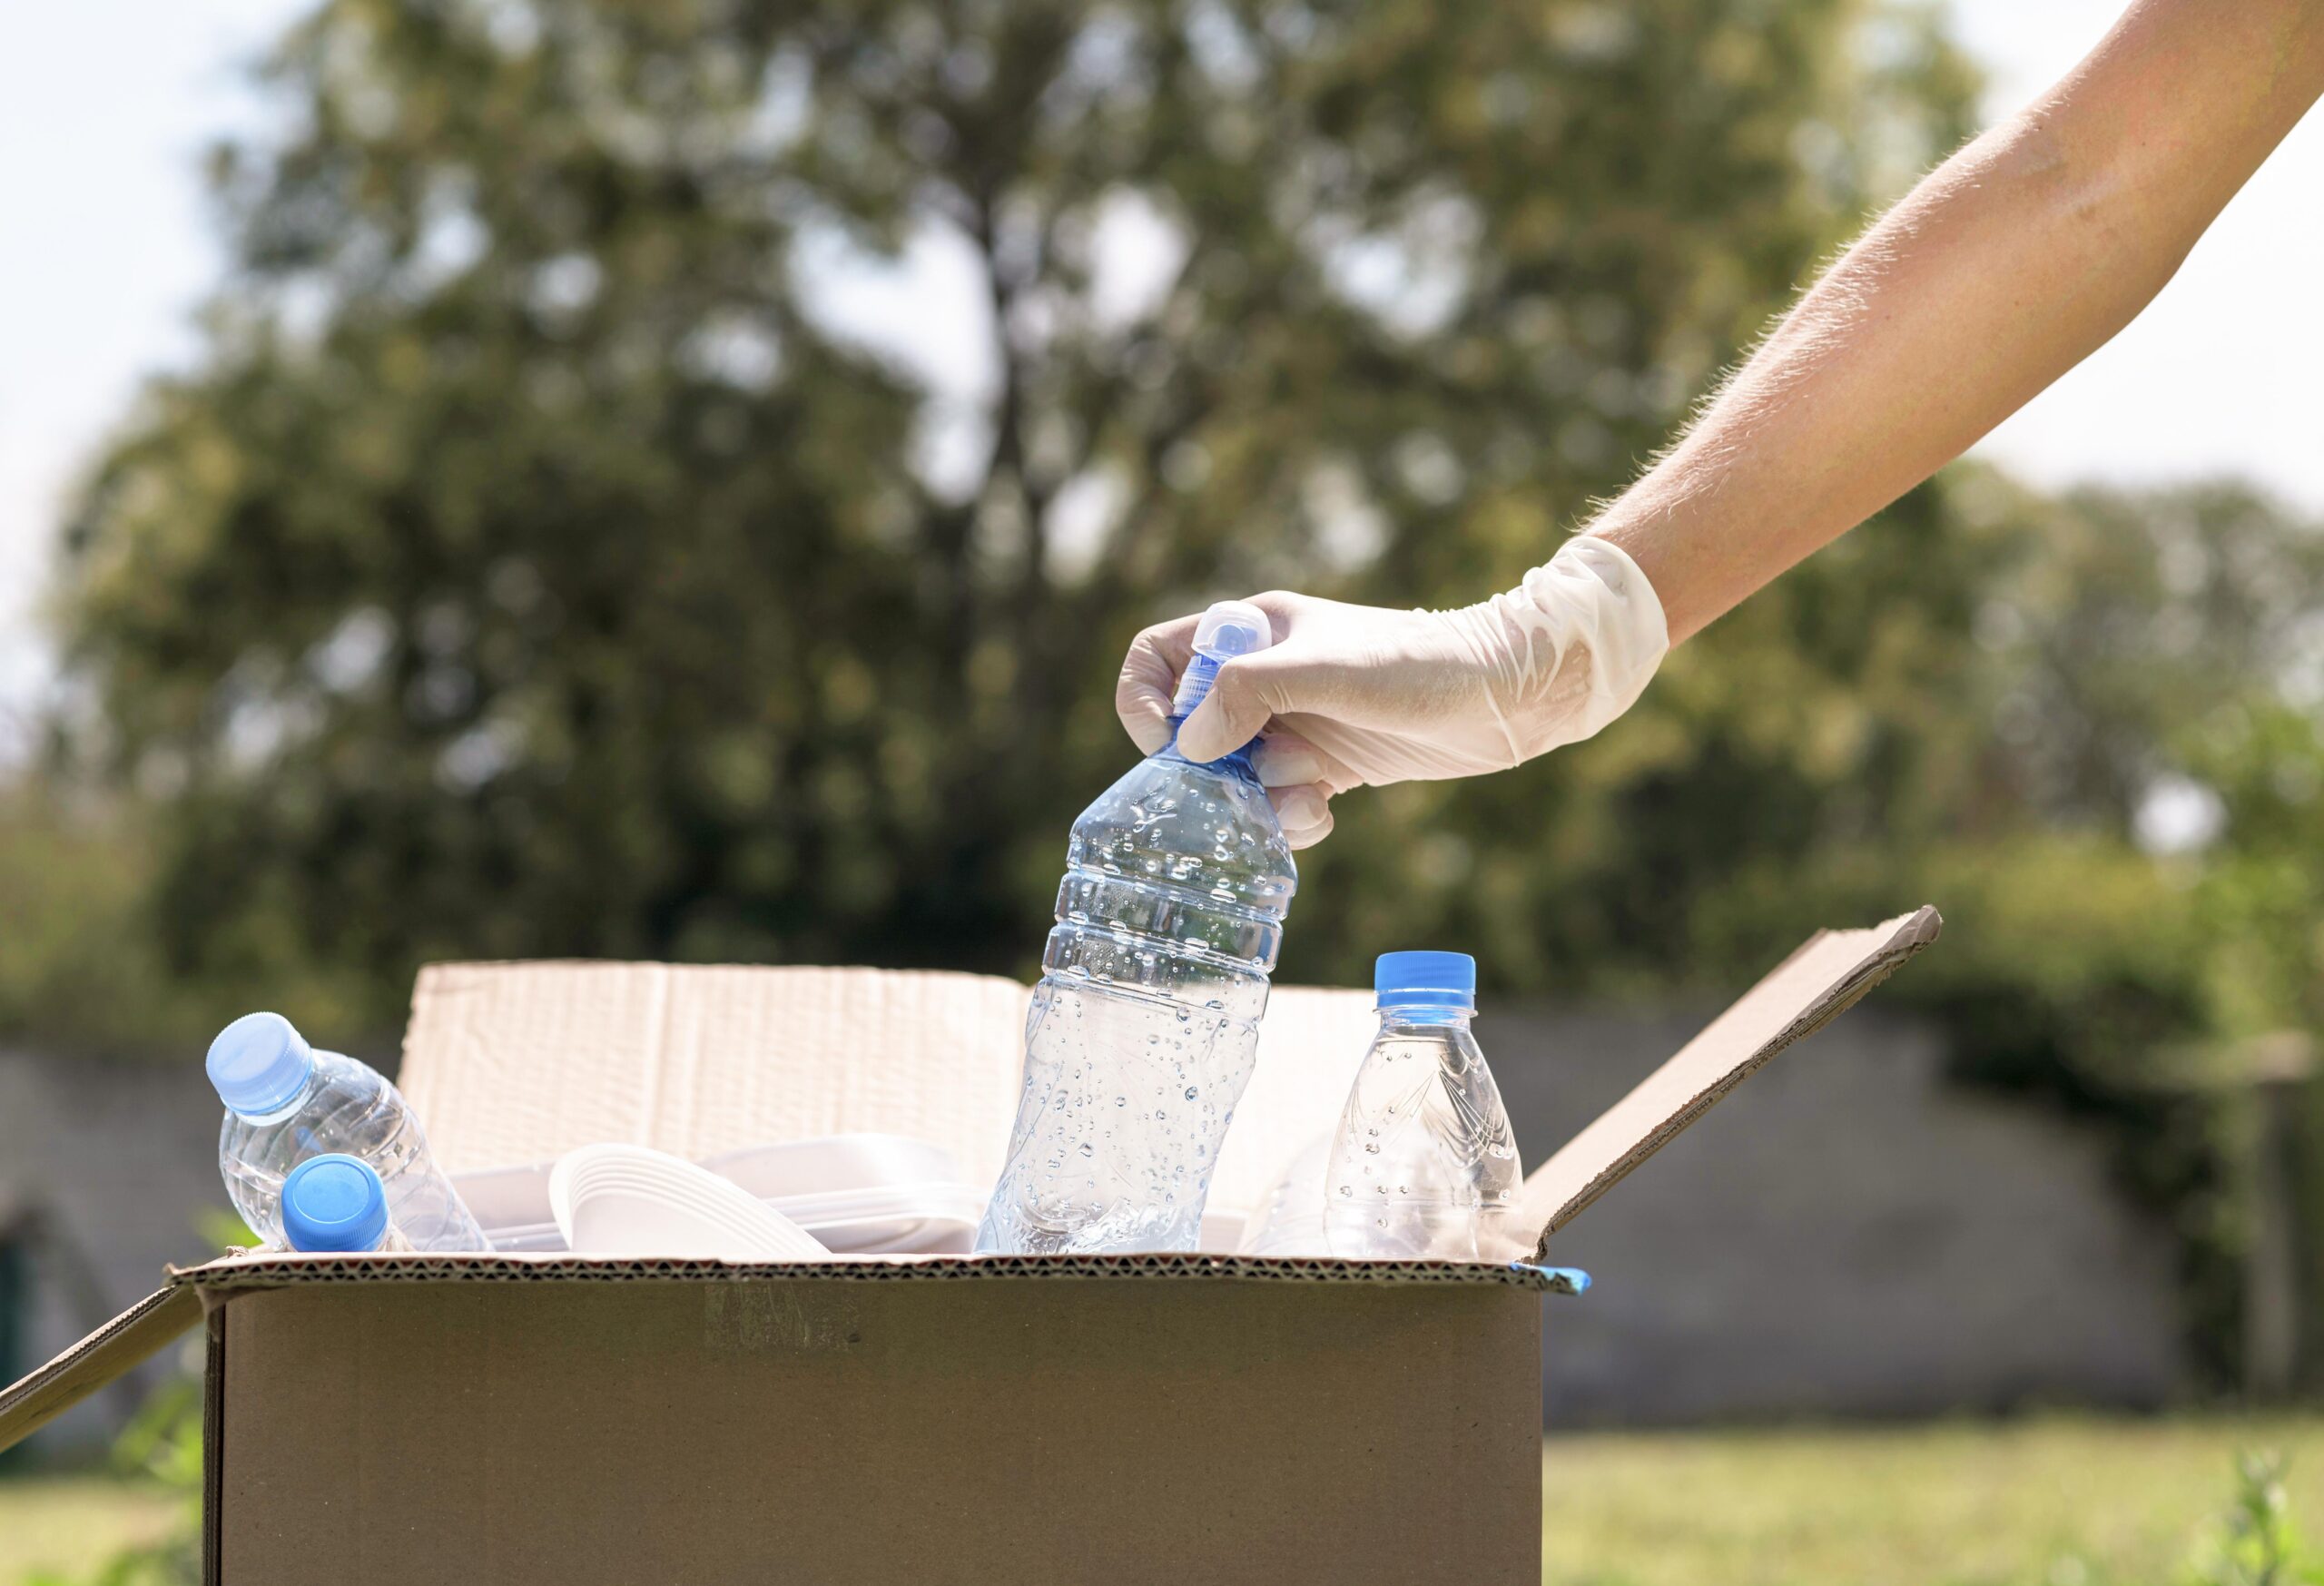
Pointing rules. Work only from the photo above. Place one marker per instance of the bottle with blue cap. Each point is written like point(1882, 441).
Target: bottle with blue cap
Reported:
point(1146, 1025)
point(336, 1203)
point(1424, 1166)
point(287, 1103)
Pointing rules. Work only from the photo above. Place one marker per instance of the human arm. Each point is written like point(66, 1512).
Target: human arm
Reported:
point(2017, 258)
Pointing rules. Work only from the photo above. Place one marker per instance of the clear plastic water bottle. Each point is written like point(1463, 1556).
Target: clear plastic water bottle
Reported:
point(336, 1203)
point(286, 1102)
point(1425, 1165)
point(1145, 1024)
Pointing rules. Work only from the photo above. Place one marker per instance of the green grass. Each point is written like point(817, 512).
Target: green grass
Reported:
point(69, 1524)
point(2047, 1501)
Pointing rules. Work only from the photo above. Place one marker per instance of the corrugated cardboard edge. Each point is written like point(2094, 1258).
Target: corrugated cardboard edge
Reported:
point(214, 1443)
point(144, 1329)
point(1801, 996)
point(217, 1280)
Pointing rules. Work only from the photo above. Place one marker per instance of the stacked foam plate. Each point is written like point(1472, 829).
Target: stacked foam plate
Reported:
point(626, 1200)
point(855, 1194)
point(871, 1194)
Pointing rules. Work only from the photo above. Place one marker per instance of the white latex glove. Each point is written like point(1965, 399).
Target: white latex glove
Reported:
point(1350, 694)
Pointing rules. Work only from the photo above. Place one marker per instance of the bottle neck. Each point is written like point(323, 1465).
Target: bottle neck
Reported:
point(1194, 685)
point(1424, 1017)
point(289, 1104)
point(1237, 763)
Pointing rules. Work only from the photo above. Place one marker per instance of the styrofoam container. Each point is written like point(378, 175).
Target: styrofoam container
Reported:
point(861, 1193)
point(834, 1164)
point(627, 1200)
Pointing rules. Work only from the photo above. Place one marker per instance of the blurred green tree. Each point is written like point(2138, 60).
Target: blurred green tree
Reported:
point(541, 560)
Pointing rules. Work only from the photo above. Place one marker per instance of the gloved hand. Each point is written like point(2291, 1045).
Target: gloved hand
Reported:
point(1350, 694)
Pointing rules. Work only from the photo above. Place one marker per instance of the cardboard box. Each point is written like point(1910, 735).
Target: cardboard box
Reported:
point(1145, 1418)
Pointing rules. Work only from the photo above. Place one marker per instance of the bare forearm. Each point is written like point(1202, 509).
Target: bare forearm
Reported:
point(2012, 262)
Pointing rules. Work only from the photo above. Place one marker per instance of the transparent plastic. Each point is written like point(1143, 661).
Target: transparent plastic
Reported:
point(1424, 1166)
point(344, 1106)
point(1289, 1219)
point(857, 1193)
point(1145, 1024)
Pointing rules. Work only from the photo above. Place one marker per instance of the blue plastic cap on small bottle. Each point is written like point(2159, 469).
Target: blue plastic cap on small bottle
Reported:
point(1425, 980)
point(260, 1063)
point(334, 1203)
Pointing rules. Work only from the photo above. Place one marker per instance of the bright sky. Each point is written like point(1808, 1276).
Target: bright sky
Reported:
point(106, 105)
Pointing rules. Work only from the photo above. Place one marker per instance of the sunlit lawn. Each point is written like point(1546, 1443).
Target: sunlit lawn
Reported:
point(2049, 1501)
point(68, 1524)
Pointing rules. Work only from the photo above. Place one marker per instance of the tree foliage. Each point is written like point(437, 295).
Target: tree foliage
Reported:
point(534, 566)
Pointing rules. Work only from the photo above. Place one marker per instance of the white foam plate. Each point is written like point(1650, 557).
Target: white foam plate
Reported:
point(626, 1200)
point(863, 1193)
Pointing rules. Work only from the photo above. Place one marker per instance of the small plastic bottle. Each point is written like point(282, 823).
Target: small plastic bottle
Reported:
point(1424, 1167)
point(336, 1203)
point(1145, 1024)
point(286, 1102)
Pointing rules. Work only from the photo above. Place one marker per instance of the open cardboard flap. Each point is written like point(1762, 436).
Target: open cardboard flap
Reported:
point(1827, 976)
point(113, 1350)
point(518, 1063)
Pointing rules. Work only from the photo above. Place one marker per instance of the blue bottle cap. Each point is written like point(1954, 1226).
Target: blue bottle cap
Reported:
point(1425, 980)
point(334, 1203)
point(259, 1063)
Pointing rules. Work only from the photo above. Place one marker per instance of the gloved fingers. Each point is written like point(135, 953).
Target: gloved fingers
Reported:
point(1248, 691)
point(1375, 757)
point(1304, 811)
point(1285, 759)
point(1149, 675)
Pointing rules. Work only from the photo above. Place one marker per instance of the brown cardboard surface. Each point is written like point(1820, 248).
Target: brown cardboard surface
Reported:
point(514, 1063)
point(143, 1330)
point(1798, 997)
point(839, 1433)
point(521, 1062)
